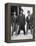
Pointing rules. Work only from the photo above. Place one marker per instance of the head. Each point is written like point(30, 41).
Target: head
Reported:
point(14, 13)
point(28, 12)
point(21, 11)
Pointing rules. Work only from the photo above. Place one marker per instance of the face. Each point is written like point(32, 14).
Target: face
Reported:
point(29, 13)
point(21, 12)
point(14, 13)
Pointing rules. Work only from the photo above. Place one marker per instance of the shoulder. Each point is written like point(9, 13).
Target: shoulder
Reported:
point(23, 15)
point(27, 17)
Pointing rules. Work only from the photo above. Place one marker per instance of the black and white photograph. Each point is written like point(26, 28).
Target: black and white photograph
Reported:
point(21, 22)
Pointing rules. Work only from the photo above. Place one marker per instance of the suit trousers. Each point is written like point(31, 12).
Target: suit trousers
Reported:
point(21, 27)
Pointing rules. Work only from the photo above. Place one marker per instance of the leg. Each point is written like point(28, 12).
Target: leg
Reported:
point(19, 30)
point(12, 33)
point(27, 28)
point(13, 29)
point(16, 28)
point(24, 29)
point(31, 28)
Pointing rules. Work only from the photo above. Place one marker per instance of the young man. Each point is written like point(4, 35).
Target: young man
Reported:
point(29, 20)
point(21, 21)
point(14, 23)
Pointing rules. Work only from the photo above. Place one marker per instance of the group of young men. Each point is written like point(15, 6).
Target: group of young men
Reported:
point(19, 20)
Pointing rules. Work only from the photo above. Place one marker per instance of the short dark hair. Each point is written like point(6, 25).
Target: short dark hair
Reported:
point(20, 9)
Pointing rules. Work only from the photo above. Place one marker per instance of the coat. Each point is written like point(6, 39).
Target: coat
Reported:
point(21, 20)
point(29, 21)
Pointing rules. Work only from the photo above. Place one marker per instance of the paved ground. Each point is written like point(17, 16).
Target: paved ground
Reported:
point(21, 36)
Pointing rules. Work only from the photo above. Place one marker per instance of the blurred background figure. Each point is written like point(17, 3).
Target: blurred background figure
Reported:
point(14, 23)
point(29, 20)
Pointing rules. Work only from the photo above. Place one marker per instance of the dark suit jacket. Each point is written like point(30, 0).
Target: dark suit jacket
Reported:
point(30, 20)
point(21, 20)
